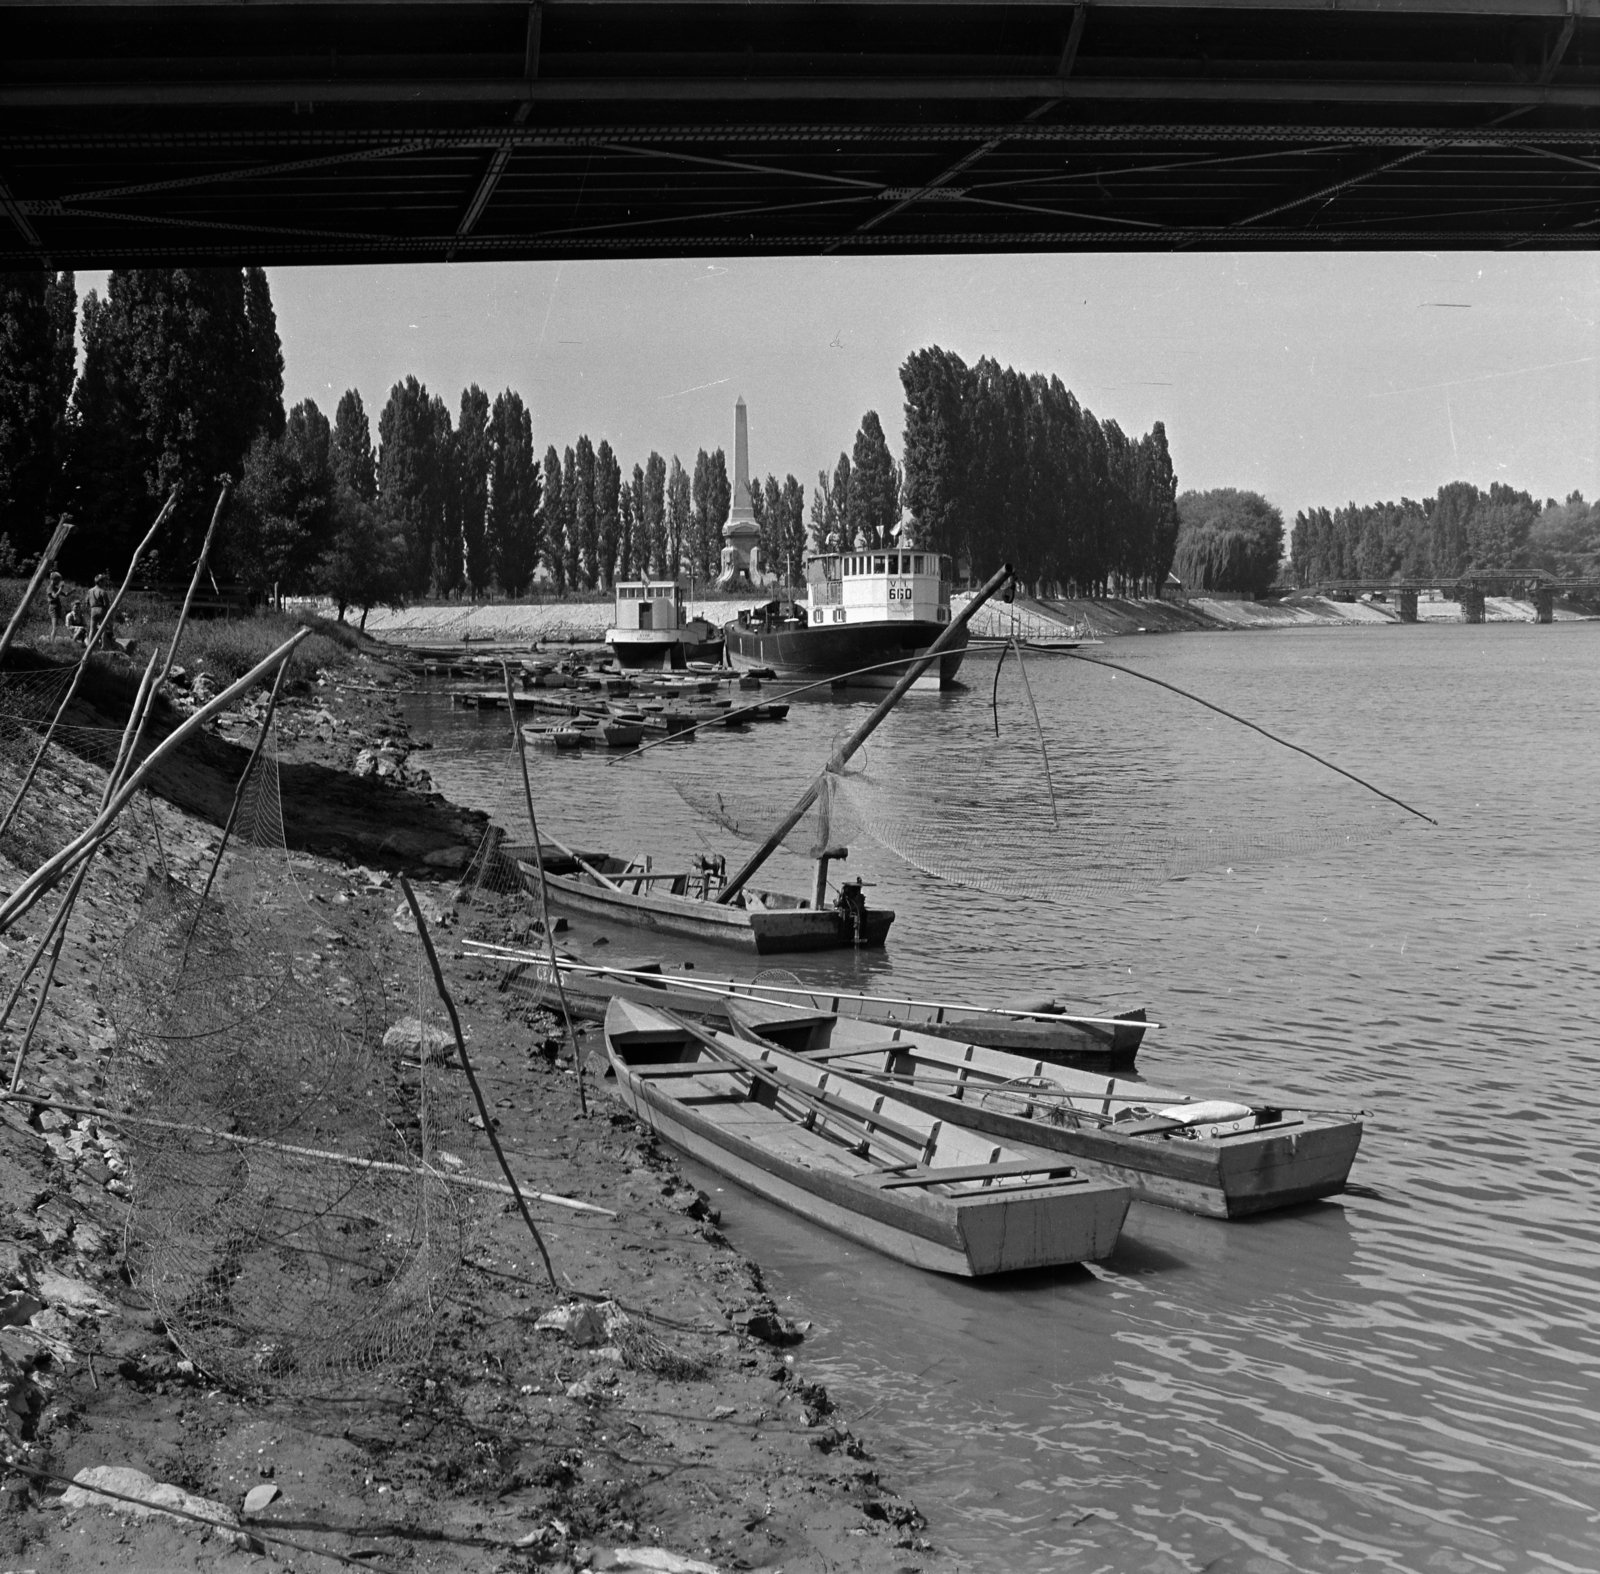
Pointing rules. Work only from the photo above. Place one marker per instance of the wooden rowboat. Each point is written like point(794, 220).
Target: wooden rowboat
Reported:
point(1041, 1029)
point(1220, 1159)
point(684, 902)
point(856, 1160)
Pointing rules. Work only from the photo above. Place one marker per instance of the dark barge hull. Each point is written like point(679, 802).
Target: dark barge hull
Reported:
point(664, 655)
point(830, 650)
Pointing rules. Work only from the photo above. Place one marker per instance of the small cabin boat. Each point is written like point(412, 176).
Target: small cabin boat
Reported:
point(1219, 1158)
point(856, 1160)
point(862, 610)
point(653, 628)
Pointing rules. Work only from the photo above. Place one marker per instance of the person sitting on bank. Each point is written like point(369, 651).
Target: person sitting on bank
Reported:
point(100, 607)
point(75, 626)
point(55, 592)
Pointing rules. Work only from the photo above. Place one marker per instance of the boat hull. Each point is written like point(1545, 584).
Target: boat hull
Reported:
point(830, 650)
point(1296, 1157)
point(975, 1234)
point(666, 651)
point(765, 931)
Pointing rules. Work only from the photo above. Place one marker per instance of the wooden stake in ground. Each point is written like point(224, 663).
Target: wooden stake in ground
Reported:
point(89, 644)
point(46, 561)
point(544, 900)
point(472, 1080)
point(194, 581)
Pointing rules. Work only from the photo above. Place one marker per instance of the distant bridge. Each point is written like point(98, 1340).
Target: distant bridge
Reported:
point(1470, 590)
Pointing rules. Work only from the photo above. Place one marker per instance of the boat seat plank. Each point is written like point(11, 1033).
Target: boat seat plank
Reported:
point(977, 1172)
point(688, 1069)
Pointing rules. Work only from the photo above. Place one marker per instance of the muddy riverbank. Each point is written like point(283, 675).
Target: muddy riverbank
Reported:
point(502, 1446)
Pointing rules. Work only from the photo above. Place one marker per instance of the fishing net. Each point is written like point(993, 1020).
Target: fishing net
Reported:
point(1062, 814)
point(292, 1219)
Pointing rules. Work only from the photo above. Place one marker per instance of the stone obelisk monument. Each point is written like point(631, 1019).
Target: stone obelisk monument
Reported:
point(741, 536)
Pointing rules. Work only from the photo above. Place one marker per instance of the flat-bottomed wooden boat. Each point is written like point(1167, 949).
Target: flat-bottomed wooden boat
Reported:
point(1218, 1158)
point(856, 1160)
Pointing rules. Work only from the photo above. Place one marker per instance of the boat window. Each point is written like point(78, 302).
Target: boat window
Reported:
point(877, 566)
point(917, 564)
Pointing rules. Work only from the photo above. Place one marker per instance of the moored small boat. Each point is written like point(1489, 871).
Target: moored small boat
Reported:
point(1041, 1029)
point(685, 902)
point(1220, 1158)
point(857, 1161)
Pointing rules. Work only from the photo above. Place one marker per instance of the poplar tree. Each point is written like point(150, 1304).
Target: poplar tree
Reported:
point(586, 513)
point(555, 527)
point(772, 526)
point(354, 463)
point(793, 540)
point(636, 551)
point(262, 369)
point(823, 524)
point(607, 513)
point(473, 450)
point(653, 516)
point(449, 547)
point(410, 476)
point(839, 506)
point(513, 516)
point(573, 547)
point(626, 517)
point(678, 518)
point(873, 496)
point(700, 528)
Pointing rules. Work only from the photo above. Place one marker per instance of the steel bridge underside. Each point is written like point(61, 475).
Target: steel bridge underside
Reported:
point(278, 132)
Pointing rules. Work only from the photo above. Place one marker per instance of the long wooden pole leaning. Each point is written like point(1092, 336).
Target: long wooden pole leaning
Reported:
point(46, 562)
point(472, 1080)
point(49, 872)
point(194, 581)
point(90, 641)
point(840, 755)
point(544, 898)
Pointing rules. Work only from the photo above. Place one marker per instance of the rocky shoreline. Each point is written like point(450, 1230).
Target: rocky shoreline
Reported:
point(527, 1438)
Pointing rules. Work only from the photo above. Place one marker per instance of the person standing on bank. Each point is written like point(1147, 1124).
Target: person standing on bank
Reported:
point(100, 606)
point(56, 595)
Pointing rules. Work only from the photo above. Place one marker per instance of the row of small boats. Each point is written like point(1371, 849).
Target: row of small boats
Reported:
point(949, 1156)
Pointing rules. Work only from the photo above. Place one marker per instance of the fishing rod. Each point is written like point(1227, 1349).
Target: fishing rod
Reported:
point(1161, 683)
point(731, 987)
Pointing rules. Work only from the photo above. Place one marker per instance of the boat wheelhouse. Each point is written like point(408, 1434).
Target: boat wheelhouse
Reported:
point(862, 610)
point(653, 627)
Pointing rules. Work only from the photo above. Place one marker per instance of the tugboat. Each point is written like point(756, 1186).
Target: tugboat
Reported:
point(862, 609)
point(652, 630)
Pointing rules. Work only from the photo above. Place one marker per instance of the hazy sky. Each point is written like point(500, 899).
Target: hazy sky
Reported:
point(1314, 378)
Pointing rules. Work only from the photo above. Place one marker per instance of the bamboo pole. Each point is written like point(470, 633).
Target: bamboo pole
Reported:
point(544, 896)
point(90, 641)
point(842, 754)
point(472, 1080)
point(49, 872)
point(194, 581)
point(755, 991)
point(46, 562)
point(331, 1156)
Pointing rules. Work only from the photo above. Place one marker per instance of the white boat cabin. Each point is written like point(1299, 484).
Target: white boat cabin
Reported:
point(651, 605)
point(891, 585)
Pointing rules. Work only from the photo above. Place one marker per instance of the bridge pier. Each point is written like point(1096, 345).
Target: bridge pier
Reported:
point(1471, 604)
point(1544, 606)
point(1406, 600)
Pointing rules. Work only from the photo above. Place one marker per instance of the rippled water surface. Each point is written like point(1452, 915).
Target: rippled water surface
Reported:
point(1404, 1378)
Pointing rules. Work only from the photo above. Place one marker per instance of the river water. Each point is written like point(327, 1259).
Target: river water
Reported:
point(1404, 1378)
